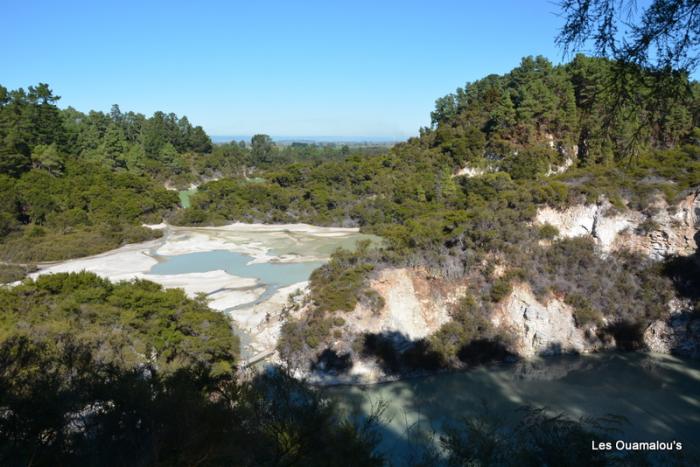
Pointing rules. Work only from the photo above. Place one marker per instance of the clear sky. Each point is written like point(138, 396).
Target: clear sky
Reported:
point(286, 68)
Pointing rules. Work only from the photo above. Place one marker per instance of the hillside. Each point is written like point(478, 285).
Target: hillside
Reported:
point(532, 218)
point(539, 138)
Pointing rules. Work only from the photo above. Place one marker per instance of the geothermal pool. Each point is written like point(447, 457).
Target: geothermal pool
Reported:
point(244, 270)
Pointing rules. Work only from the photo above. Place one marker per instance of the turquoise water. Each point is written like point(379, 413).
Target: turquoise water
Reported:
point(271, 274)
point(185, 197)
point(658, 395)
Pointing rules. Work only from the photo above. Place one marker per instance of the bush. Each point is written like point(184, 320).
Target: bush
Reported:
point(469, 324)
point(11, 273)
point(547, 232)
point(131, 323)
point(500, 289)
point(584, 313)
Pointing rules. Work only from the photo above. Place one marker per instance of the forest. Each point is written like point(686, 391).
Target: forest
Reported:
point(108, 363)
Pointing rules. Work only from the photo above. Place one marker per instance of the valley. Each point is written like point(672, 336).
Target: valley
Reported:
point(504, 271)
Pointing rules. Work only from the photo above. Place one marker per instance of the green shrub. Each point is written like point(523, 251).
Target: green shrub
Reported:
point(584, 313)
point(11, 273)
point(131, 323)
point(548, 232)
point(500, 288)
point(338, 321)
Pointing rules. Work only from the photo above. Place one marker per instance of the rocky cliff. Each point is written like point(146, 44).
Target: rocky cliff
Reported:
point(679, 334)
point(661, 231)
point(544, 327)
point(416, 304)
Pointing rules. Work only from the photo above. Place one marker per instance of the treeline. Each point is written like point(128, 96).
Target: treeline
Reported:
point(75, 184)
point(34, 132)
point(525, 124)
point(583, 109)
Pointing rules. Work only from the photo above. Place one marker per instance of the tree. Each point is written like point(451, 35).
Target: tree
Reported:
point(154, 135)
point(47, 157)
point(13, 163)
point(116, 114)
point(45, 117)
point(665, 35)
point(114, 146)
point(262, 148)
point(199, 141)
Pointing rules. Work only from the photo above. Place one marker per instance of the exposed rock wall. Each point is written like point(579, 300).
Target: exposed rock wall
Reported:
point(679, 335)
point(560, 169)
point(471, 172)
point(417, 305)
point(539, 328)
point(414, 305)
point(673, 232)
point(668, 230)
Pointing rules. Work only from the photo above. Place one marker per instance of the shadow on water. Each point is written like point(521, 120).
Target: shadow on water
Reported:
point(329, 361)
point(659, 396)
point(396, 353)
point(684, 273)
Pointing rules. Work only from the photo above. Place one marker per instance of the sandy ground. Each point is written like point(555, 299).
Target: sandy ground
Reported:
point(279, 242)
point(125, 263)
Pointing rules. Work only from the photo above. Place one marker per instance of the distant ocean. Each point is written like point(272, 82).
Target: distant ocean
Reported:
point(313, 139)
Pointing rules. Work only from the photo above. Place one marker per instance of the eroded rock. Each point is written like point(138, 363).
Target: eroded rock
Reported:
point(668, 230)
point(539, 328)
point(679, 335)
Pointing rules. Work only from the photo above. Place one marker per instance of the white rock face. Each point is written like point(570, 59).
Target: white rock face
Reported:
point(673, 227)
point(539, 328)
point(470, 172)
point(264, 321)
point(571, 222)
point(415, 307)
point(679, 335)
point(590, 219)
point(411, 307)
point(556, 170)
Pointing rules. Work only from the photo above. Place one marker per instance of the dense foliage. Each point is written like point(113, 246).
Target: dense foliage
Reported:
point(126, 324)
point(86, 210)
point(523, 124)
point(35, 132)
point(95, 373)
point(75, 184)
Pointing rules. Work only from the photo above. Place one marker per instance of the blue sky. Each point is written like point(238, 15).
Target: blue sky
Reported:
point(286, 68)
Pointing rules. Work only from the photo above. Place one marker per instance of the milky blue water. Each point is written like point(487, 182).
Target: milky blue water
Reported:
point(185, 196)
point(658, 395)
point(275, 275)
